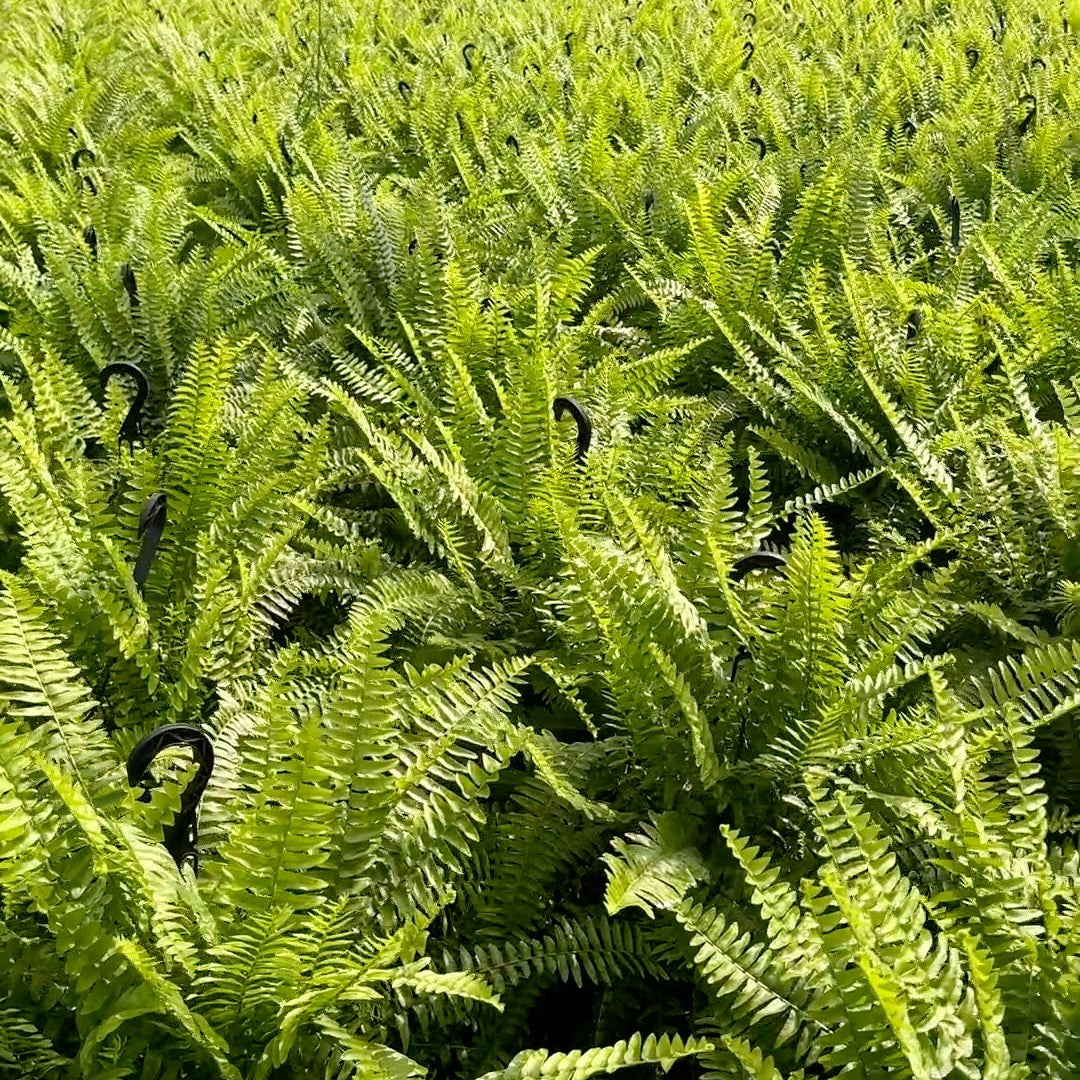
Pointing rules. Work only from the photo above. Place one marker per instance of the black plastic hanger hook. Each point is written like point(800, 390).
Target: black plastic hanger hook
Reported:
point(756, 560)
point(1028, 99)
point(954, 222)
point(131, 286)
point(130, 428)
point(914, 325)
point(182, 836)
point(564, 405)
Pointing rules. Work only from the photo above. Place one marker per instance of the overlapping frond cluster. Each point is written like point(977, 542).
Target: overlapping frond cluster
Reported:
point(736, 736)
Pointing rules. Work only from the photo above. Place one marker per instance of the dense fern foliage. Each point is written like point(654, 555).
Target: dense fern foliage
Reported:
point(731, 733)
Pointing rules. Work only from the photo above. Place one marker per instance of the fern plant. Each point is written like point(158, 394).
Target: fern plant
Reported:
point(522, 769)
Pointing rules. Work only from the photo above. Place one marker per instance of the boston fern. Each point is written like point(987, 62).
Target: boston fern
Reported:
point(736, 739)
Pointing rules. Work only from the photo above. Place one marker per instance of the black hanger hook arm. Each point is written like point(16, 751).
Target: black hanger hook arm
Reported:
point(151, 526)
point(954, 222)
point(182, 836)
point(756, 560)
point(129, 429)
point(741, 653)
point(564, 405)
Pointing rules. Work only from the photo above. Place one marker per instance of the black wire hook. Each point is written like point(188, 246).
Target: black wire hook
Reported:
point(151, 526)
point(181, 838)
point(564, 405)
point(130, 428)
